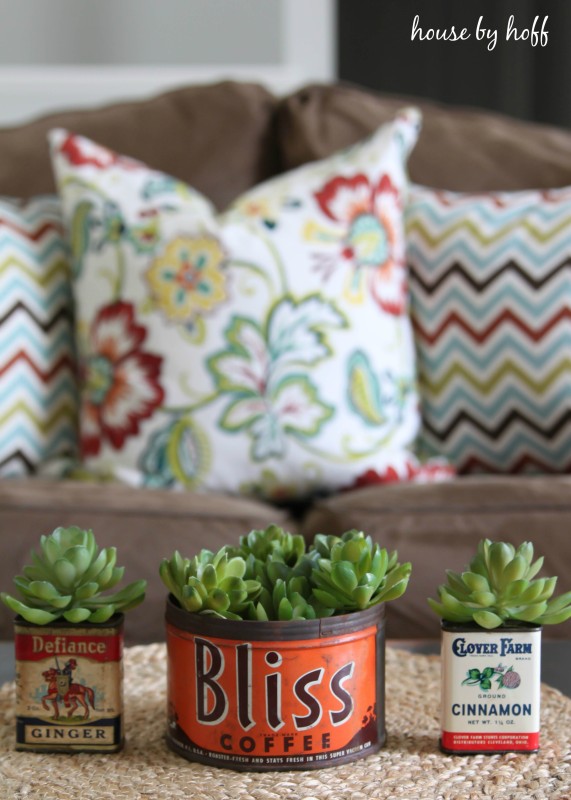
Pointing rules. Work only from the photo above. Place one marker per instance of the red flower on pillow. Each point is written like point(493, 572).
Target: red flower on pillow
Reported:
point(120, 382)
point(82, 152)
point(434, 470)
point(371, 477)
point(372, 236)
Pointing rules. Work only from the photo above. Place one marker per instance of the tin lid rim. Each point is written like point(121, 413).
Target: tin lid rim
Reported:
point(284, 630)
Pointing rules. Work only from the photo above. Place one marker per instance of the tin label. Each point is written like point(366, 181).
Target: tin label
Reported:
point(68, 688)
point(490, 690)
point(273, 704)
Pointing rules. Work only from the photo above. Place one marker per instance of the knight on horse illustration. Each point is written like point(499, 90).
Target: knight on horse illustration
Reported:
point(62, 689)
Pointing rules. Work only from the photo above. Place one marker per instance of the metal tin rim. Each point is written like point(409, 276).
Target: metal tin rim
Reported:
point(290, 630)
point(116, 621)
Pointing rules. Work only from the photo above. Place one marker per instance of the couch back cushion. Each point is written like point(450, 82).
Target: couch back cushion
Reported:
point(220, 138)
point(458, 149)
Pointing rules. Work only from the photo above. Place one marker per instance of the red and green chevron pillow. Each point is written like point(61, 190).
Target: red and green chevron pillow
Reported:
point(490, 282)
point(38, 398)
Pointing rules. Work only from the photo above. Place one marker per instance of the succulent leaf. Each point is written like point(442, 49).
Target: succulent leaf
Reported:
point(559, 603)
point(102, 614)
point(483, 599)
point(530, 613)
point(514, 570)
point(79, 557)
point(76, 615)
point(64, 573)
point(474, 582)
point(43, 590)
point(534, 568)
point(487, 619)
point(327, 599)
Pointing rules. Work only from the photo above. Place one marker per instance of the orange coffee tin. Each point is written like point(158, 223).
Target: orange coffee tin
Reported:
point(69, 686)
point(275, 695)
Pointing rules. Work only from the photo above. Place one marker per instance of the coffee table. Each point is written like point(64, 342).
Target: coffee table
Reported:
point(409, 766)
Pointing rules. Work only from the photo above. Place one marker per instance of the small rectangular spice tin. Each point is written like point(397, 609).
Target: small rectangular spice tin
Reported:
point(69, 682)
point(490, 689)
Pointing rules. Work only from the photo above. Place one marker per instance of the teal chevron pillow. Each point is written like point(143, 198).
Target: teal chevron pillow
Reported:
point(490, 282)
point(38, 399)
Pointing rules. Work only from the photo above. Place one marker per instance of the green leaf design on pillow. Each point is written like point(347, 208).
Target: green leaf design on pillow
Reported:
point(177, 453)
point(294, 407)
point(81, 224)
point(364, 393)
point(259, 369)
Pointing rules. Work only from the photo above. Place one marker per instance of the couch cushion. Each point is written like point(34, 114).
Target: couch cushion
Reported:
point(460, 149)
point(38, 392)
point(438, 526)
point(267, 350)
point(490, 292)
point(144, 525)
point(219, 137)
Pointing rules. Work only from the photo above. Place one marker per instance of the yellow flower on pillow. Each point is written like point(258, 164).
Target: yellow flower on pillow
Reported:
point(189, 277)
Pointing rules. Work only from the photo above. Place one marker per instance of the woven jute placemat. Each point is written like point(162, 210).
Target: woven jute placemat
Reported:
point(410, 766)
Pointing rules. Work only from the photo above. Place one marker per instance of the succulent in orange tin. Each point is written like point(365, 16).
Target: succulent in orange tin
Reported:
point(276, 651)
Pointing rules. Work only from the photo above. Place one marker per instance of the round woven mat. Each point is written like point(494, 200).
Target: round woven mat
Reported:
point(410, 766)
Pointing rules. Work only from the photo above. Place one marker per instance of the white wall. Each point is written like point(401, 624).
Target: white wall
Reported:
point(57, 54)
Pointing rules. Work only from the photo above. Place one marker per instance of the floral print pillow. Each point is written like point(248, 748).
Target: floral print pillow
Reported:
point(265, 350)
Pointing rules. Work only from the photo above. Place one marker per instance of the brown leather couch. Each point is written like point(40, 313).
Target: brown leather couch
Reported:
point(224, 139)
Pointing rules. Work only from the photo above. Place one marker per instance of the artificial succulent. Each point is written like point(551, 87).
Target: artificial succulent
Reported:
point(499, 586)
point(67, 578)
point(353, 573)
point(271, 576)
point(212, 583)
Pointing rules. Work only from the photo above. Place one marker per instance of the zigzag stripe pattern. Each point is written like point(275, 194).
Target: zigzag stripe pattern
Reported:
point(38, 388)
point(490, 285)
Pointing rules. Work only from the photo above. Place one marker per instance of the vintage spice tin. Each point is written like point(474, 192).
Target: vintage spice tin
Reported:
point(275, 695)
point(69, 681)
point(490, 689)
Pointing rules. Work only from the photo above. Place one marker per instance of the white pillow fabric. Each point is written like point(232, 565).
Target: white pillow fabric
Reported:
point(266, 350)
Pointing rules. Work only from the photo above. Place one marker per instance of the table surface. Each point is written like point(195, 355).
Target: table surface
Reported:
point(556, 657)
point(411, 766)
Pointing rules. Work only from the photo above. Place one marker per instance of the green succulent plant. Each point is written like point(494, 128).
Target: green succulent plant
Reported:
point(500, 586)
point(211, 583)
point(273, 543)
point(289, 598)
point(67, 578)
point(352, 573)
point(271, 576)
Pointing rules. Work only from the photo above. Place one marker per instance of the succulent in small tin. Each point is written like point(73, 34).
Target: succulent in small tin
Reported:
point(271, 576)
point(499, 587)
point(66, 580)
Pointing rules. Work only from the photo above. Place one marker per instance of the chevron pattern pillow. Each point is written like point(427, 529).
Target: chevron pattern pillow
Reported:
point(38, 399)
point(490, 282)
